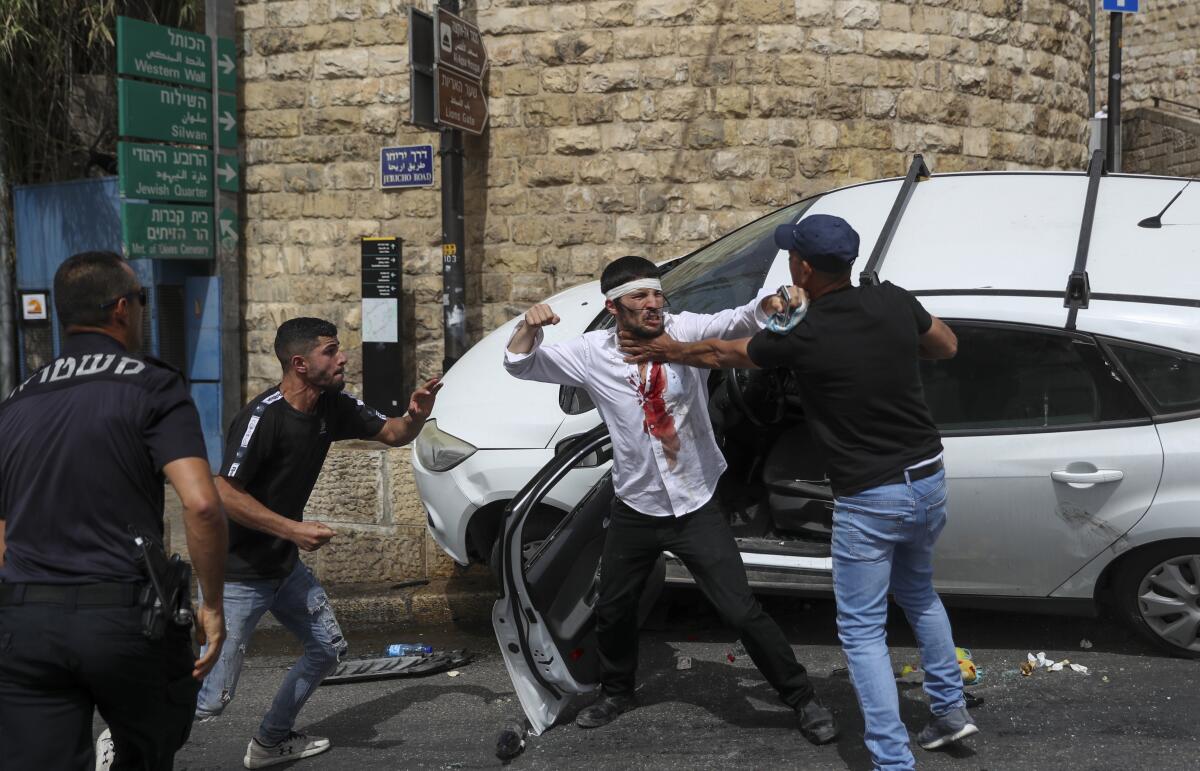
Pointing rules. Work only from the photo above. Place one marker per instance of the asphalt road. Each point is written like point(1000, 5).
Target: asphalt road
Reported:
point(1137, 709)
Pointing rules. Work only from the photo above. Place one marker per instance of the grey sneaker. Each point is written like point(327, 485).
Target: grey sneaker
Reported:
point(104, 750)
point(296, 746)
point(947, 729)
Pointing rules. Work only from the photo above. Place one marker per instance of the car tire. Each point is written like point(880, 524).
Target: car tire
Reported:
point(1151, 583)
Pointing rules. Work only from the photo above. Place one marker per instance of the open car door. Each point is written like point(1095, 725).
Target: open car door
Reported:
point(544, 618)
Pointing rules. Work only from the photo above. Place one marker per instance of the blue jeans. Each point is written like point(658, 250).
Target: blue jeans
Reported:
point(883, 537)
point(300, 604)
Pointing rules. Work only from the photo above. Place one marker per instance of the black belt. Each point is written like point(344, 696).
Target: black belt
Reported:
point(921, 472)
point(70, 594)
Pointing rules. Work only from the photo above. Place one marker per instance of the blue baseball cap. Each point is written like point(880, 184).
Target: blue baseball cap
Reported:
point(828, 243)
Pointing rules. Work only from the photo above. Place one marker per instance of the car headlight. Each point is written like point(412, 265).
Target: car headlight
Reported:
point(439, 451)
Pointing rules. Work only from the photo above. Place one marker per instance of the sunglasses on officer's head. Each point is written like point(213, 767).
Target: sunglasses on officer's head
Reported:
point(139, 293)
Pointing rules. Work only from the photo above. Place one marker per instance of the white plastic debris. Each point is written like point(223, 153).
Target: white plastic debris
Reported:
point(1080, 668)
point(1085, 643)
point(1055, 667)
point(683, 662)
point(453, 673)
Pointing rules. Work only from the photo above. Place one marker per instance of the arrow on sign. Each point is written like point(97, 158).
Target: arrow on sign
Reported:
point(227, 121)
point(225, 64)
point(226, 172)
point(227, 230)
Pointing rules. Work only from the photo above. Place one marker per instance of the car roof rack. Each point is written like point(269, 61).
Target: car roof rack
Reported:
point(917, 172)
point(1079, 290)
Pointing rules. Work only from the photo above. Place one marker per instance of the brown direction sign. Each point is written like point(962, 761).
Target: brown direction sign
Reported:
point(460, 45)
point(460, 102)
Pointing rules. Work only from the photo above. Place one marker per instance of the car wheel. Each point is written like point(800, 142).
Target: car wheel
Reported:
point(1158, 594)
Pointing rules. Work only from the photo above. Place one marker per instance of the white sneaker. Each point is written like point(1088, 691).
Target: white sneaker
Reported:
point(104, 750)
point(296, 746)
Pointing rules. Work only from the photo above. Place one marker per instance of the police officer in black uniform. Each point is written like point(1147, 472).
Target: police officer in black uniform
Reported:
point(84, 445)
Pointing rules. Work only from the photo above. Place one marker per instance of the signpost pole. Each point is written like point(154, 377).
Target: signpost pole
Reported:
point(1112, 145)
point(454, 282)
point(219, 23)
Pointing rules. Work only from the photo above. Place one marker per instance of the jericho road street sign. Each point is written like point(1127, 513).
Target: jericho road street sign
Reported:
point(148, 111)
point(163, 53)
point(166, 231)
point(164, 173)
point(459, 45)
point(460, 102)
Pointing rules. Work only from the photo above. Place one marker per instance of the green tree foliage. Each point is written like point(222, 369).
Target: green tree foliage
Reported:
point(57, 82)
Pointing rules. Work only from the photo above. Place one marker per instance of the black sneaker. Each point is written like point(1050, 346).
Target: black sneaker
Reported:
point(816, 722)
point(605, 710)
point(947, 729)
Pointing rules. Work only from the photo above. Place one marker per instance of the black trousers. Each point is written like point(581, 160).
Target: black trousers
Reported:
point(58, 663)
point(705, 544)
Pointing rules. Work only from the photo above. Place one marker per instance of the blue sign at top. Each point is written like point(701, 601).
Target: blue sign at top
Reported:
point(410, 166)
point(1121, 6)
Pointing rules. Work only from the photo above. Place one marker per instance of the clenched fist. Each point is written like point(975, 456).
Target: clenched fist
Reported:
point(540, 315)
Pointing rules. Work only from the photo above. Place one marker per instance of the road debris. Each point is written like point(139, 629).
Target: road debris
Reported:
point(511, 741)
point(1041, 661)
point(1086, 644)
point(453, 673)
point(683, 662)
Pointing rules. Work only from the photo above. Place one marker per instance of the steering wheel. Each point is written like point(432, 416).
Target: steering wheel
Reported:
point(736, 381)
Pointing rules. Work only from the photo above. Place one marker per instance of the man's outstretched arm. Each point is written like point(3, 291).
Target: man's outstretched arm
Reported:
point(397, 432)
point(712, 353)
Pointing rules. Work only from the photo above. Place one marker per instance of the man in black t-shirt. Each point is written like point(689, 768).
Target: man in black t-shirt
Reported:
point(84, 445)
point(855, 354)
point(273, 454)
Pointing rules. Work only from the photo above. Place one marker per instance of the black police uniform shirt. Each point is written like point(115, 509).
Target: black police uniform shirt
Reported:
point(276, 452)
point(82, 446)
point(857, 370)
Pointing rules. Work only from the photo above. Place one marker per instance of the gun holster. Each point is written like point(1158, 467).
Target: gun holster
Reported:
point(166, 599)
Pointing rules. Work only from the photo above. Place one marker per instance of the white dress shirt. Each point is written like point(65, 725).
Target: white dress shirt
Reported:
point(666, 461)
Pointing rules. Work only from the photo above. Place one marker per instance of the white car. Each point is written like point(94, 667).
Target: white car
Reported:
point(1070, 416)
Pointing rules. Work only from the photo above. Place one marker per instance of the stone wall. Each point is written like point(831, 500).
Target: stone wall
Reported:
point(1158, 142)
point(1161, 53)
point(617, 127)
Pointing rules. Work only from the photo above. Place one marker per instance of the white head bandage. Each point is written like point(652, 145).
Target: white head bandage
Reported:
point(633, 286)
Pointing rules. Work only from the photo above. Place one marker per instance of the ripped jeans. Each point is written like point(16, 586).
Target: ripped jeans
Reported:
point(300, 604)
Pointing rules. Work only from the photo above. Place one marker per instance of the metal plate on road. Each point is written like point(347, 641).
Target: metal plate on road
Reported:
point(460, 102)
point(163, 53)
point(167, 113)
point(164, 173)
point(166, 231)
point(460, 45)
point(226, 64)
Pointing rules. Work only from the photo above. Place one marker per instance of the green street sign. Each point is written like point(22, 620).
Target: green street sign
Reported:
point(227, 228)
point(164, 173)
point(228, 174)
point(226, 64)
point(163, 53)
point(166, 231)
point(226, 121)
point(147, 111)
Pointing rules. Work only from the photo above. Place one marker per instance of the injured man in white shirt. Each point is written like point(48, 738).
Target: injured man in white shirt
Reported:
point(666, 464)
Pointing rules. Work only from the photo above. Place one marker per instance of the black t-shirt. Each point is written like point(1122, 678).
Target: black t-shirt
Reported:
point(82, 446)
point(276, 452)
point(855, 359)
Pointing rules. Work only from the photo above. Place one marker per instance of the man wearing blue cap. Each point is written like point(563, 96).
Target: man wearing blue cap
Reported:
point(855, 355)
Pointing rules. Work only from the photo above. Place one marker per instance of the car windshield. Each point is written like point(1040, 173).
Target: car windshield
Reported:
point(731, 270)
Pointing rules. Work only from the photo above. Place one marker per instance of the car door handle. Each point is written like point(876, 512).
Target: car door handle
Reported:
point(1088, 477)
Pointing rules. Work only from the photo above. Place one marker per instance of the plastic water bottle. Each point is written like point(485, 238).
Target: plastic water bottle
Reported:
point(408, 649)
